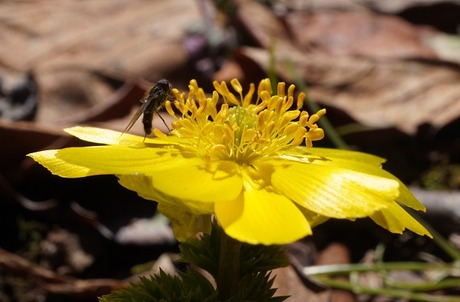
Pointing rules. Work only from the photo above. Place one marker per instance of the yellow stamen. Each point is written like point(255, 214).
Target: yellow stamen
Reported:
point(242, 128)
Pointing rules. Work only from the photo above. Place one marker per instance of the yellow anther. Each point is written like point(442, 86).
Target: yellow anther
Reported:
point(281, 89)
point(237, 86)
point(244, 126)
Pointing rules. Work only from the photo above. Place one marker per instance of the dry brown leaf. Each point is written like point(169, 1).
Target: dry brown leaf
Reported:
point(260, 23)
point(24, 137)
point(67, 45)
point(336, 253)
point(359, 33)
point(396, 6)
point(364, 33)
point(374, 88)
point(66, 95)
point(403, 94)
point(130, 36)
point(289, 5)
point(56, 283)
point(287, 282)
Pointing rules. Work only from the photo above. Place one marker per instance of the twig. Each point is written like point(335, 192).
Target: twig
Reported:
point(56, 283)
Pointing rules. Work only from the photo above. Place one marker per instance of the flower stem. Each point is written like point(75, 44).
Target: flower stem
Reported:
point(395, 289)
point(388, 292)
point(438, 238)
point(228, 276)
point(340, 269)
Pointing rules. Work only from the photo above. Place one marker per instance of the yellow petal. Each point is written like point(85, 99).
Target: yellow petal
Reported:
point(111, 137)
point(405, 196)
point(60, 167)
point(395, 219)
point(173, 173)
point(142, 185)
point(314, 219)
point(100, 135)
point(333, 191)
point(408, 199)
point(120, 159)
point(185, 224)
point(262, 217)
point(194, 180)
point(332, 154)
point(357, 161)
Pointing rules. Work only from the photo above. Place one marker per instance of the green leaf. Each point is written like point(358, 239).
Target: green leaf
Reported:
point(187, 287)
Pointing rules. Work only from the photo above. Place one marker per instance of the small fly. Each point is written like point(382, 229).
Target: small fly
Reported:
point(153, 101)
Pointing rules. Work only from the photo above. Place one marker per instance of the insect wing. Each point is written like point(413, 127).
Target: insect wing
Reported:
point(150, 105)
point(136, 116)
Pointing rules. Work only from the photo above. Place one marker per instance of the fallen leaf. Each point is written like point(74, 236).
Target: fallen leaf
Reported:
point(76, 42)
point(403, 94)
point(359, 33)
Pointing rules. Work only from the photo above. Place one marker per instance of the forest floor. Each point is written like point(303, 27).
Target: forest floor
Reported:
point(388, 73)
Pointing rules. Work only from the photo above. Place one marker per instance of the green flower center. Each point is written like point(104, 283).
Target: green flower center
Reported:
point(243, 123)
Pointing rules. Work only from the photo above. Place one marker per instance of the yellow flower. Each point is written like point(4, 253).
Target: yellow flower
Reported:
point(243, 161)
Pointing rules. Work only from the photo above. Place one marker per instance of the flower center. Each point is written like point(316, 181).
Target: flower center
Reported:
point(245, 130)
point(242, 123)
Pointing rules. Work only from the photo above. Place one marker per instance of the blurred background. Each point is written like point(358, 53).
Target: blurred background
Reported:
point(388, 73)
